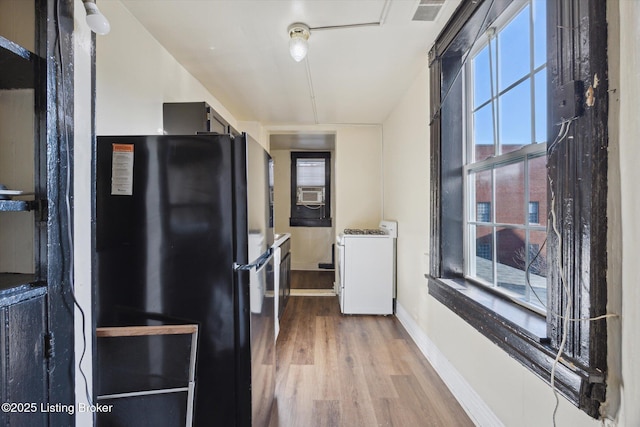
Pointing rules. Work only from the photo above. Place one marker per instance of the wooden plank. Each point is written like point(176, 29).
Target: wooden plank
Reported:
point(305, 335)
point(135, 331)
point(374, 357)
point(326, 359)
point(326, 413)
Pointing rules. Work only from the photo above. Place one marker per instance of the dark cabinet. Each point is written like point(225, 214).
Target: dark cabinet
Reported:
point(188, 118)
point(285, 276)
point(23, 383)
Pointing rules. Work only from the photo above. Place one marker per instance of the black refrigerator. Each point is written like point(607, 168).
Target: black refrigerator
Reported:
point(184, 234)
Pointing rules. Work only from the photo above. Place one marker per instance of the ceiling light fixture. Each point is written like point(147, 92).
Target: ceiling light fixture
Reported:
point(298, 44)
point(98, 23)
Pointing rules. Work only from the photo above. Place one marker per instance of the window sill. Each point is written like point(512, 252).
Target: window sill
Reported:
point(522, 334)
point(309, 222)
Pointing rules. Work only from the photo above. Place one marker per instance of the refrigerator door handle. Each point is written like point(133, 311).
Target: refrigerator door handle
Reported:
point(268, 256)
point(264, 259)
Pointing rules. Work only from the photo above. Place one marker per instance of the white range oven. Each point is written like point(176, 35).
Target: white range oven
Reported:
point(367, 269)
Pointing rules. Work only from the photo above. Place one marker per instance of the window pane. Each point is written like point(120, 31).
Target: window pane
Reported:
point(515, 118)
point(481, 77)
point(513, 45)
point(539, 32)
point(483, 195)
point(510, 194)
point(537, 272)
point(481, 263)
point(310, 173)
point(534, 213)
point(538, 254)
point(500, 192)
point(538, 187)
point(483, 212)
point(483, 133)
point(541, 105)
point(511, 253)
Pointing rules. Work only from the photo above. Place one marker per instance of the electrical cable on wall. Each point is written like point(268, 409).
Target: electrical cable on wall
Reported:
point(562, 134)
point(565, 325)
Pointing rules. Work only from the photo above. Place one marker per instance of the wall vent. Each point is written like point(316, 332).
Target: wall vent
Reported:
point(427, 10)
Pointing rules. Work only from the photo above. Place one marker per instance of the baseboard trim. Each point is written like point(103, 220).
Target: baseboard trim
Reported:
point(470, 401)
point(312, 293)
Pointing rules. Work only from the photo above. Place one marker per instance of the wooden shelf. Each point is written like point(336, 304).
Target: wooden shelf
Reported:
point(16, 287)
point(17, 205)
point(17, 65)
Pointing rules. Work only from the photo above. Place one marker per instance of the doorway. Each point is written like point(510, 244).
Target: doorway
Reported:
point(312, 245)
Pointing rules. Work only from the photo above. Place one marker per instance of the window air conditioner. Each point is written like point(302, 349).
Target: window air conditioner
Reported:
point(310, 196)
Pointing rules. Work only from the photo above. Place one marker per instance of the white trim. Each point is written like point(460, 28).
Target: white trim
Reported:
point(471, 402)
point(312, 293)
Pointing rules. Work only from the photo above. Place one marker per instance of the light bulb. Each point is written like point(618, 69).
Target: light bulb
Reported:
point(298, 47)
point(298, 43)
point(98, 23)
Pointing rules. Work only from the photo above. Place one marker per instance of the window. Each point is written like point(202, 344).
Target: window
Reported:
point(506, 101)
point(483, 250)
point(483, 211)
point(533, 165)
point(310, 189)
point(534, 212)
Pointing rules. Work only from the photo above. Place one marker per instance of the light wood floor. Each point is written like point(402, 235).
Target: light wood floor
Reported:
point(351, 371)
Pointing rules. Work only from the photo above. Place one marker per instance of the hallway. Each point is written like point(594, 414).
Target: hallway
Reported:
point(351, 371)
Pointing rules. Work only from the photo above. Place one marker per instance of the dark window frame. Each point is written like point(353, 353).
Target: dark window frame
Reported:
point(577, 171)
point(302, 216)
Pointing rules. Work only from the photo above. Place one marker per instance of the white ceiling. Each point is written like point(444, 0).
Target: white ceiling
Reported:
point(238, 49)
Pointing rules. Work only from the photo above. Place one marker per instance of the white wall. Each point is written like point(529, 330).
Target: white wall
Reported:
point(406, 191)
point(16, 144)
point(508, 390)
point(135, 75)
point(16, 22)
point(358, 177)
point(16, 173)
point(82, 147)
point(629, 206)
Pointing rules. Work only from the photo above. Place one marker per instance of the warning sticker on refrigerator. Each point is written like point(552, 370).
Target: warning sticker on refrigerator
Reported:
point(122, 170)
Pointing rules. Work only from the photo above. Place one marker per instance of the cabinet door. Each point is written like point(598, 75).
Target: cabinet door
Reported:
point(189, 118)
point(24, 376)
point(285, 282)
point(217, 123)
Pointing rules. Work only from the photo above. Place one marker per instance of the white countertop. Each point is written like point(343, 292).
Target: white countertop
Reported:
point(280, 238)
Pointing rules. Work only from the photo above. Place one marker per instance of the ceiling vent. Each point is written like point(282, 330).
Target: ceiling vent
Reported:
point(427, 10)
